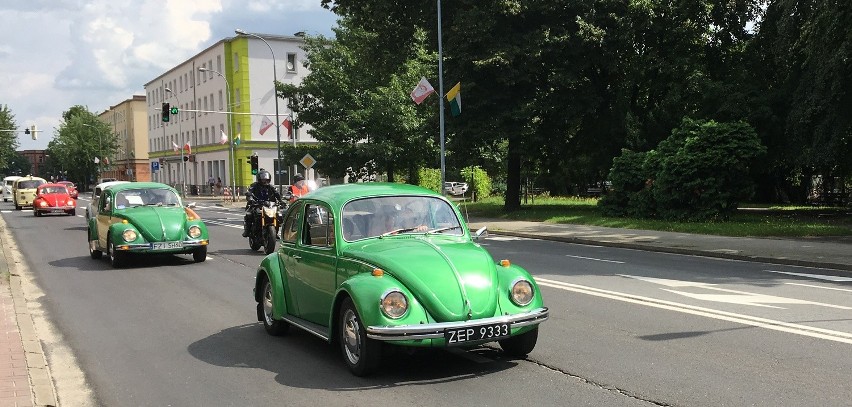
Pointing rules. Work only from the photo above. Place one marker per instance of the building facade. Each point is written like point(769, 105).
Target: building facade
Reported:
point(226, 104)
point(36, 159)
point(129, 122)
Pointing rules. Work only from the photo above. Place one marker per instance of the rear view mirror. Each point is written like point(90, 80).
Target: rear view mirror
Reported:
point(481, 232)
point(190, 205)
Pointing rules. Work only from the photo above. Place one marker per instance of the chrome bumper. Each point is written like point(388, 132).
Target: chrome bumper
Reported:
point(147, 246)
point(436, 330)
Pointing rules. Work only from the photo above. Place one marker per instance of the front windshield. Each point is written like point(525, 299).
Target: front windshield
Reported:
point(131, 198)
point(388, 215)
point(29, 184)
point(53, 190)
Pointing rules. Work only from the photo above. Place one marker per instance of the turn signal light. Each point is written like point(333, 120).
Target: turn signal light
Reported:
point(378, 272)
point(191, 215)
point(505, 263)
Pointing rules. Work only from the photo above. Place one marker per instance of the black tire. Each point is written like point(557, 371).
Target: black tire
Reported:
point(200, 254)
point(71, 212)
point(95, 253)
point(116, 259)
point(361, 354)
point(17, 207)
point(254, 244)
point(272, 326)
point(521, 345)
point(35, 213)
point(269, 239)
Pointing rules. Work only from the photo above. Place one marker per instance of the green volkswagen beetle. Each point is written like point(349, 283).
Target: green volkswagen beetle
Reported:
point(364, 265)
point(144, 217)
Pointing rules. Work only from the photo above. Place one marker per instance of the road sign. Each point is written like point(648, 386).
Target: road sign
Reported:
point(155, 166)
point(307, 161)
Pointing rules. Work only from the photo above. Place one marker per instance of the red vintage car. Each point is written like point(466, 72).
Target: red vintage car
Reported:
point(72, 189)
point(53, 198)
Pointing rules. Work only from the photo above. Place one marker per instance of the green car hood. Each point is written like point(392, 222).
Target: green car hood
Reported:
point(157, 224)
point(454, 280)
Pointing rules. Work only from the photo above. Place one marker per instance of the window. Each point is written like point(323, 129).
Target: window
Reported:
point(319, 227)
point(219, 63)
point(291, 62)
point(221, 103)
point(291, 226)
point(236, 62)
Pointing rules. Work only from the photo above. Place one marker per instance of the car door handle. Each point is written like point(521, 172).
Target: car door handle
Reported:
point(297, 257)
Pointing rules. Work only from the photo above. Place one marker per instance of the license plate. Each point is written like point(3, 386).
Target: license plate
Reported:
point(166, 245)
point(476, 333)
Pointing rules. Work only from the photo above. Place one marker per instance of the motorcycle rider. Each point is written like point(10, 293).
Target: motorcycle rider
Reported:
point(260, 191)
point(299, 187)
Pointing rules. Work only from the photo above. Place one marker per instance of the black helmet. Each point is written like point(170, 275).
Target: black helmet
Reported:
point(298, 177)
point(264, 177)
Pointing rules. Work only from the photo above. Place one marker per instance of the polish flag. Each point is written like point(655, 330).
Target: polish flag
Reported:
point(265, 124)
point(175, 147)
point(224, 138)
point(187, 148)
point(288, 125)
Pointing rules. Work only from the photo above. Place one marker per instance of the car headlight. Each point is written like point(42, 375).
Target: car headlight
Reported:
point(194, 231)
point(42, 203)
point(522, 292)
point(394, 304)
point(129, 235)
point(70, 203)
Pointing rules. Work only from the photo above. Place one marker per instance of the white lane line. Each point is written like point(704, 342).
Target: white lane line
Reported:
point(836, 279)
point(214, 222)
point(595, 259)
point(824, 288)
point(781, 326)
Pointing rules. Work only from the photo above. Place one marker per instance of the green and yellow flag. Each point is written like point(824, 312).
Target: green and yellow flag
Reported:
point(454, 97)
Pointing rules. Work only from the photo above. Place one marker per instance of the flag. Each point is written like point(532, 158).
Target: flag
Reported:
point(187, 148)
point(237, 140)
point(454, 97)
point(97, 160)
point(224, 138)
point(265, 124)
point(106, 160)
point(422, 91)
point(175, 147)
point(288, 125)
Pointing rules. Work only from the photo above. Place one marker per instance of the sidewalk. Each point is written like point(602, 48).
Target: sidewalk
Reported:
point(832, 252)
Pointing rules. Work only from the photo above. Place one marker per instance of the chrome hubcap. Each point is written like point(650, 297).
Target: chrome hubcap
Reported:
point(267, 303)
point(351, 339)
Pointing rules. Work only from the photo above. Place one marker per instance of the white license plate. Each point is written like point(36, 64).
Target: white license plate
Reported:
point(477, 333)
point(166, 245)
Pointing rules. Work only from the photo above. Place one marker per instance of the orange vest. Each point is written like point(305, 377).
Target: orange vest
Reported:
point(298, 191)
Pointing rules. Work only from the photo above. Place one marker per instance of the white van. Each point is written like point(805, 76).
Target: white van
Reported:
point(8, 183)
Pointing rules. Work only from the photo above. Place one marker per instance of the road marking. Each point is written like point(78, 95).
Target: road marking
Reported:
point(774, 325)
point(592, 258)
point(824, 288)
point(230, 225)
point(735, 296)
point(836, 279)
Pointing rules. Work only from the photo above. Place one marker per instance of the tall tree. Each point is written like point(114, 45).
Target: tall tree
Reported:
point(8, 136)
point(80, 139)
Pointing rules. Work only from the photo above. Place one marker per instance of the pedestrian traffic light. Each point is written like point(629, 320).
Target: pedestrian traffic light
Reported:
point(166, 111)
point(254, 165)
point(173, 110)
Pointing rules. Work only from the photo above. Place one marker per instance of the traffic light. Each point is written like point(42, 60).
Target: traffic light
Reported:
point(185, 158)
point(173, 110)
point(166, 111)
point(254, 165)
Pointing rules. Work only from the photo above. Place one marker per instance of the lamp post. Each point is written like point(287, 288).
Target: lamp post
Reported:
point(182, 144)
point(275, 93)
point(230, 129)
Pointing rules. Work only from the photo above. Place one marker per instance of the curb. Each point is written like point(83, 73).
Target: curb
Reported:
point(674, 250)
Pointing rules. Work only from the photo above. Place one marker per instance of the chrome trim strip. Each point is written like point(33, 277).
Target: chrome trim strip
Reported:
point(436, 330)
point(305, 327)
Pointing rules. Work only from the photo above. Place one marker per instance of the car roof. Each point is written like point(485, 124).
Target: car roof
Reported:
point(103, 185)
point(51, 185)
point(11, 178)
point(30, 178)
point(123, 185)
point(340, 194)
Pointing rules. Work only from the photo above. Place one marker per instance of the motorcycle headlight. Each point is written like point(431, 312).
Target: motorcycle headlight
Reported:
point(522, 292)
point(394, 304)
point(194, 231)
point(129, 235)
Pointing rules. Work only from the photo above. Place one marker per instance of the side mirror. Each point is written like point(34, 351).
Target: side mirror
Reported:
point(482, 232)
point(190, 205)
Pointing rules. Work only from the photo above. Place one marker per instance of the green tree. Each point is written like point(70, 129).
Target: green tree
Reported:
point(359, 108)
point(80, 139)
point(8, 136)
point(17, 165)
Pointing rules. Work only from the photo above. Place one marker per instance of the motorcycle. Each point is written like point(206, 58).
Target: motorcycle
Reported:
point(266, 222)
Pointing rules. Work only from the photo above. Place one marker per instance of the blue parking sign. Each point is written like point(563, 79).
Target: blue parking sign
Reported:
point(155, 166)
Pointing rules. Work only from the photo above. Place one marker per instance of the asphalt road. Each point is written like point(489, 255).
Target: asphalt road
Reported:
point(627, 328)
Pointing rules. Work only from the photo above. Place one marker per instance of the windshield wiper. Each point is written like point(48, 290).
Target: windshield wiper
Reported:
point(393, 232)
point(439, 230)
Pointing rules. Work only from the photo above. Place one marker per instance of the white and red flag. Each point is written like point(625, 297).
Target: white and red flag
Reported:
point(422, 91)
point(175, 147)
point(224, 138)
point(265, 124)
point(187, 148)
point(288, 125)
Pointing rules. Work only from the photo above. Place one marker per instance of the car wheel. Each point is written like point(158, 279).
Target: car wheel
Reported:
point(273, 326)
point(71, 212)
point(360, 353)
point(116, 259)
point(200, 254)
point(269, 239)
point(521, 345)
point(93, 251)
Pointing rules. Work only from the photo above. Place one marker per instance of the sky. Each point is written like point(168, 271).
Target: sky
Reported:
point(55, 54)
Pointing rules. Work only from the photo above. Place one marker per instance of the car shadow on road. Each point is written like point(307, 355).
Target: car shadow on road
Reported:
point(237, 252)
point(302, 360)
point(86, 263)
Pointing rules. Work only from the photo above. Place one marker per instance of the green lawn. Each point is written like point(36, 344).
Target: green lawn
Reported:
point(762, 220)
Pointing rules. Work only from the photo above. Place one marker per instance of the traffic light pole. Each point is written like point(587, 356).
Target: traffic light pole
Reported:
point(182, 144)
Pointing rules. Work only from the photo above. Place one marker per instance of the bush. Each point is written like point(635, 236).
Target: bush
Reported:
point(430, 178)
point(699, 172)
point(478, 181)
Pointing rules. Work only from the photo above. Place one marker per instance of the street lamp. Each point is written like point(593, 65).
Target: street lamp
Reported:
point(230, 129)
point(182, 145)
point(275, 93)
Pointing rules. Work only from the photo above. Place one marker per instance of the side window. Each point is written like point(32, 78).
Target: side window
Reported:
point(105, 203)
point(319, 226)
point(291, 226)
